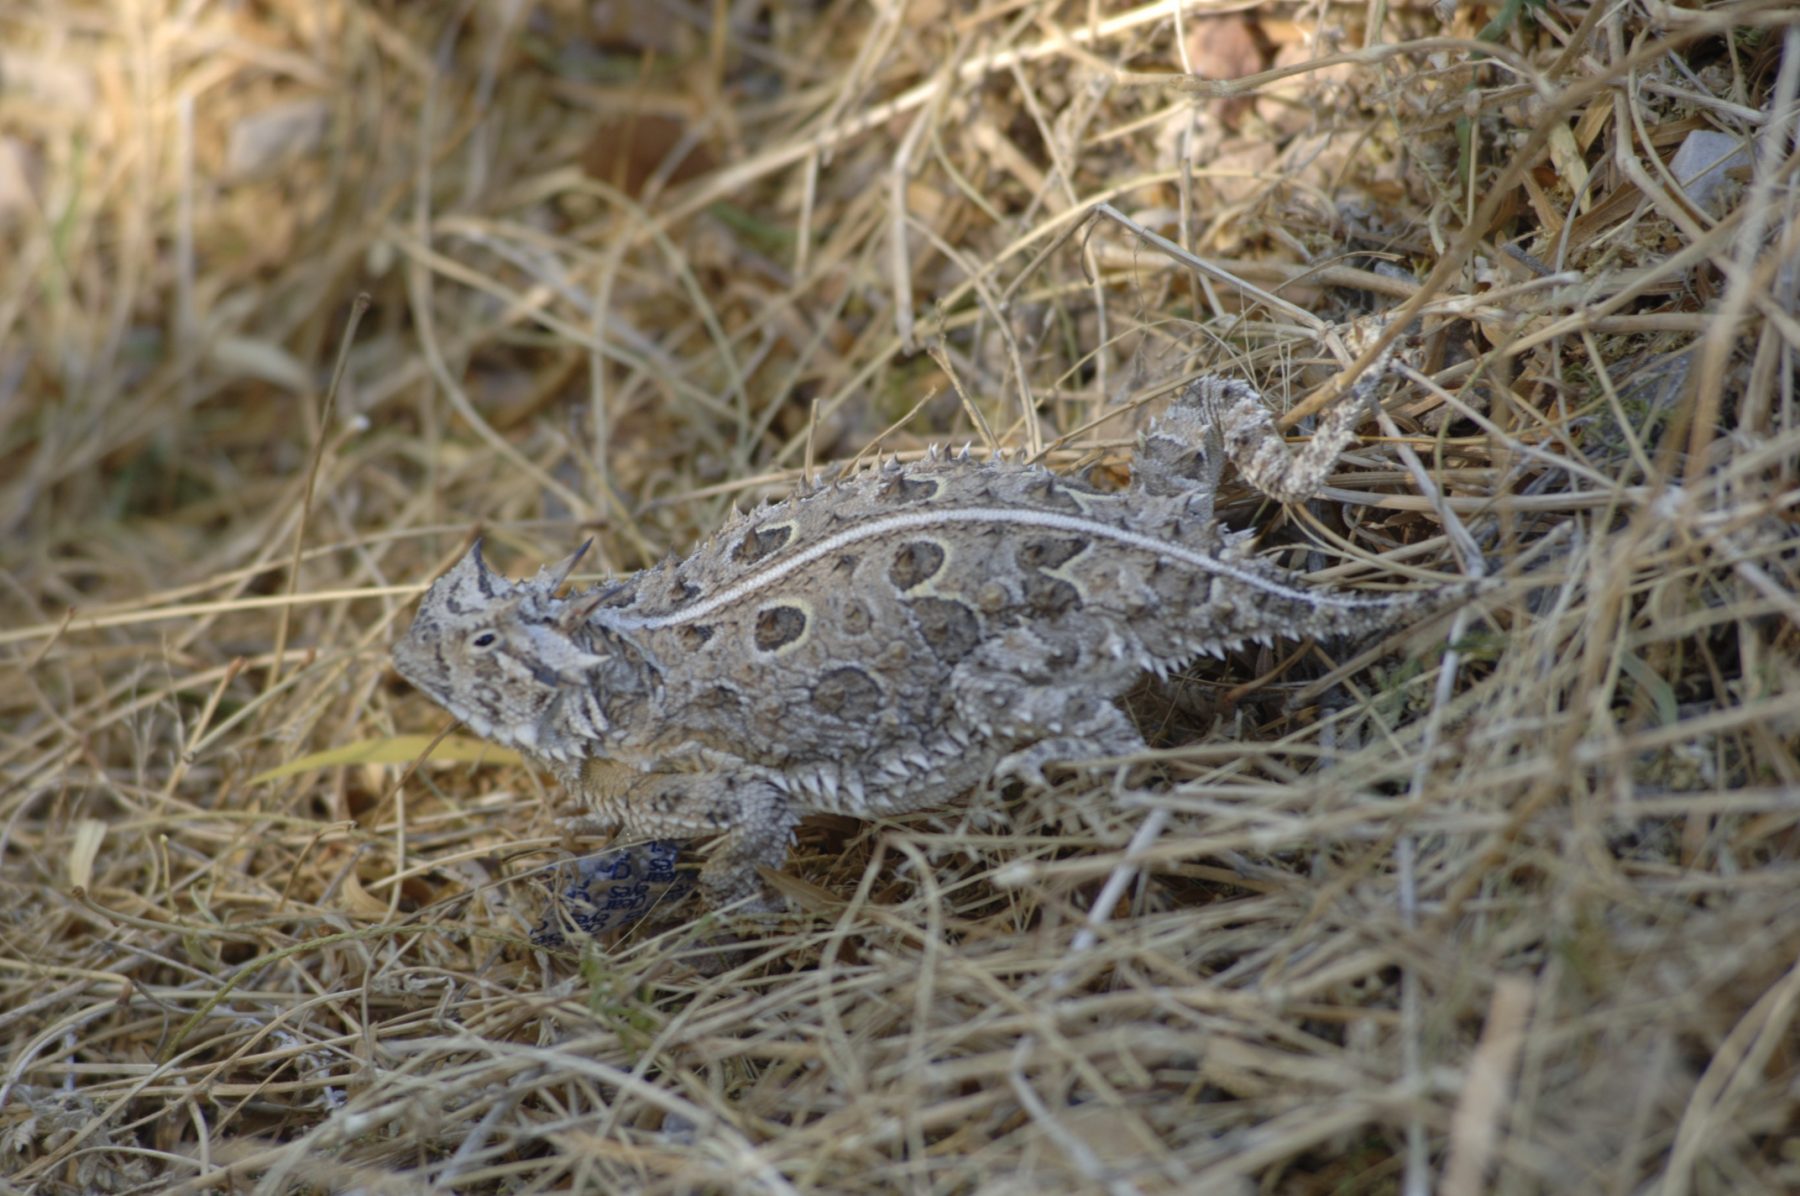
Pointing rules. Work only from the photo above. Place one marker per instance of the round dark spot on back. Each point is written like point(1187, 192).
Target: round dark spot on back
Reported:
point(952, 629)
point(1050, 552)
point(760, 542)
point(915, 563)
point(848, 693)
point(779, 626)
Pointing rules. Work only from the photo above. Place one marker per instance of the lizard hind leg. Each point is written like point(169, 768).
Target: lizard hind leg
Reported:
point(1048, 713)
point(1086, 727)
point(1182, 451)
point(1216, 418)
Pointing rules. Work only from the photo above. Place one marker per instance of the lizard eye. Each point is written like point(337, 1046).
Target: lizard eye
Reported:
point(482, 639)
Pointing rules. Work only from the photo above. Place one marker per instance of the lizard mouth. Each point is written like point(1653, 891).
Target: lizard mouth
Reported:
point(478, 725)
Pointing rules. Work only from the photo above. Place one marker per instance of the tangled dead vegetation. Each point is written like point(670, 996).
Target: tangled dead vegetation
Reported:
point(1506, 906)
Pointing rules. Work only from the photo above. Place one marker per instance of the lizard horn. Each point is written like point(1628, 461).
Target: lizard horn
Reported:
point(561, 572)
point(471, 578)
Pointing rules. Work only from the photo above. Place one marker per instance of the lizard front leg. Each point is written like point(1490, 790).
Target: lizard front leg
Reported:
point(749, 819)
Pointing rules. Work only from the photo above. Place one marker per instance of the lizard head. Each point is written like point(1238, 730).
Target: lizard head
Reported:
point(505, 657)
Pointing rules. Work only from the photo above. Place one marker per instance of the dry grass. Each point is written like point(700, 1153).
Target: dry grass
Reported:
point(1517, 915)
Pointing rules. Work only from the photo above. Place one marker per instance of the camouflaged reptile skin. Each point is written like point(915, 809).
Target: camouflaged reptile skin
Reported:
point(886, 642)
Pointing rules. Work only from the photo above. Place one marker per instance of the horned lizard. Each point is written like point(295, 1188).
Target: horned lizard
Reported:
point(886, 642)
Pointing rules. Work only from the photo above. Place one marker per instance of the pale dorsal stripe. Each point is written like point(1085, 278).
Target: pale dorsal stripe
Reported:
point(1005, 516)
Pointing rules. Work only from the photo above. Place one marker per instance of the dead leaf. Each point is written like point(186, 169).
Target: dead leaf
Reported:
point(397, 749)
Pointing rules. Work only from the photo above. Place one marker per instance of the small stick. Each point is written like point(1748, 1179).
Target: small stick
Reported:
point(358, 307)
